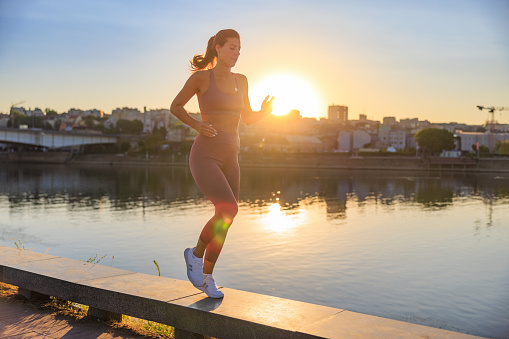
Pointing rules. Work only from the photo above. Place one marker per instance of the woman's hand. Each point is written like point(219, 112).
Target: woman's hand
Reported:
point(267, 105)
point(206, 129)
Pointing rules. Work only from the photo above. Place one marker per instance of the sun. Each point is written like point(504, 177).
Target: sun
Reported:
point(290, 92)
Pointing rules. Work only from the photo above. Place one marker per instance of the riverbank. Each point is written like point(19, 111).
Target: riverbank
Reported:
point(36, 157)
point(315, 161)
point(278, 160)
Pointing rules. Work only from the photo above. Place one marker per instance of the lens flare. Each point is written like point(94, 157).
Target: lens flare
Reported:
point(222, 225)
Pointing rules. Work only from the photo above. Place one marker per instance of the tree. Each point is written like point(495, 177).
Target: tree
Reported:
point(50, 112)
point(433, 141)
point(90, 121)
point(160, 132)
point(125, 146)
point(482, 150)
point(129, 127)
point(502, 147)
point(155, 140)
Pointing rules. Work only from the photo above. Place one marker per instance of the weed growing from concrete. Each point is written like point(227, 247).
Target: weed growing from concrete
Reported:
point(158, 270)
point(20, 246)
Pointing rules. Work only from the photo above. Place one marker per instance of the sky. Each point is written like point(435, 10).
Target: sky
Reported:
point(432, 60)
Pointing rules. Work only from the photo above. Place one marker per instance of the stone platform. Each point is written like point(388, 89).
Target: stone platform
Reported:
point(110, 292)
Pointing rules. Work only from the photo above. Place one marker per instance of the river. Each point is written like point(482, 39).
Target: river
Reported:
point(427, 248)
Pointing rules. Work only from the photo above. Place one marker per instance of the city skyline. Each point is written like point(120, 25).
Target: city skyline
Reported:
point(434, 60)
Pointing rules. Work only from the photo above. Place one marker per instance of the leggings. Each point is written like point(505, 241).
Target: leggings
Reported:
point(215, 168)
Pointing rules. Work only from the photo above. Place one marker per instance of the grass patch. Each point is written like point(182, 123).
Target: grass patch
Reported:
point(147, 328)
point(8, 291)
point(78, 312)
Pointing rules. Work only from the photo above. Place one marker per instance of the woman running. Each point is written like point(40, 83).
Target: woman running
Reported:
point(223, 100)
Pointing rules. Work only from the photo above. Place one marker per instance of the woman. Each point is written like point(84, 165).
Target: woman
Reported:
point(223, 100)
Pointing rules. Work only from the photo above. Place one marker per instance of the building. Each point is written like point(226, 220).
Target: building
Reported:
point(468, 140)
point(370, 126)
point(498, 127)
point(392, 137)
point(413, 123)
point(450, 126)
point(4, 118)
point(304, 143)
point(94, 112)
point(126, 113)
point(292, 143)
point(74, 113)
point(156, 118)
point(344, 143)
point(352, 141)
point(389, 121)
point(34, 113)
point(410, 139)
point(20, 110)
point(338, 113)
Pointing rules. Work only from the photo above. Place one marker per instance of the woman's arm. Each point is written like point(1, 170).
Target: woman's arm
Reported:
point(191, 87)
point(248, 115)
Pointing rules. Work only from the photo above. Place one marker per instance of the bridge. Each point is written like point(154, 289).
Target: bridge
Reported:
point(52, 139)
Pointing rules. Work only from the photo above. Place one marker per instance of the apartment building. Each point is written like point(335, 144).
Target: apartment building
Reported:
point(337, 113)
point(126, 113)
point(469, 139)
point(351, 141)
point(392, 137)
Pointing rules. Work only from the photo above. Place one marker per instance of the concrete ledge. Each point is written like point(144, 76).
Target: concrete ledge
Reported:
point(177, 303)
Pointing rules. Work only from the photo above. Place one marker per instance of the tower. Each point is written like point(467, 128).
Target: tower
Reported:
point(338, 113)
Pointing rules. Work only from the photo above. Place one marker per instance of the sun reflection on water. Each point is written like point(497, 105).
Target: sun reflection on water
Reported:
point(277, 220)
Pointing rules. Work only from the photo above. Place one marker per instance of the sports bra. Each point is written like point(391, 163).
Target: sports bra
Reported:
point(213, 101)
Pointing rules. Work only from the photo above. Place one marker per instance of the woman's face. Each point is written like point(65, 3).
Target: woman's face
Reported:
point(229, 52)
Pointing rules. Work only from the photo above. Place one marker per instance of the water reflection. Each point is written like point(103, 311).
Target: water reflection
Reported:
point(135, 187)
point(404, 245)
point(280, 220)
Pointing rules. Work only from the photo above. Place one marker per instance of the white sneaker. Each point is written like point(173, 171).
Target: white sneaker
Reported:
point(209, 287)
point(194, 267)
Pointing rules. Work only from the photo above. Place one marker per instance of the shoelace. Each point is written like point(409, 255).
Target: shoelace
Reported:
point(210, 282)
point(198, 262)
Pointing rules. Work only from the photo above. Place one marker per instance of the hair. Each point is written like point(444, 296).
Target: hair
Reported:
point(208, 59)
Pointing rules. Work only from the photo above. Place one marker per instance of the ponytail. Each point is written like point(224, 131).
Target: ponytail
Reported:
point(208, 59)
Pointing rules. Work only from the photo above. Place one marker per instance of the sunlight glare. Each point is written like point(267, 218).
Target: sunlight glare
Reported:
point(278, 221)
point(290, 92)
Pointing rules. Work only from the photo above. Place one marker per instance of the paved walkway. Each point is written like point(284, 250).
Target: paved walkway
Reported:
point(19, 320)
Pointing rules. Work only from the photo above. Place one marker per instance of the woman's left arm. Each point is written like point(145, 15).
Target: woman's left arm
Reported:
point(248, 115)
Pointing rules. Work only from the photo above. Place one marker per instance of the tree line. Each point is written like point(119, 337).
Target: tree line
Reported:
point(432, 141)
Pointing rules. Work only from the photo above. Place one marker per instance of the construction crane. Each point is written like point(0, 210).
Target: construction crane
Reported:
point(12, 111)
point(491, 121)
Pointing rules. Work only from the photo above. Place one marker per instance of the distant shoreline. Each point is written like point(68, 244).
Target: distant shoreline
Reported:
point(290, 160)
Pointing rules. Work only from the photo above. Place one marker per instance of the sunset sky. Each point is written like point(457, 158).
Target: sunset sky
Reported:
point(434, 60)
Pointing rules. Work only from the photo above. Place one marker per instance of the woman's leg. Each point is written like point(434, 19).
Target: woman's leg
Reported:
point(215, 184)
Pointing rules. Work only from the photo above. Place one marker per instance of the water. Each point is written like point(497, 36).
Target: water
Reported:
point(424, 248)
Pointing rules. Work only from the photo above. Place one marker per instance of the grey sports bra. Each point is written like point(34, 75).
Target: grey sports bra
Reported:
point(213, 101)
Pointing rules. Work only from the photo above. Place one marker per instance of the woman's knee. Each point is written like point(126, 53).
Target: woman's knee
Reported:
point(227, 210)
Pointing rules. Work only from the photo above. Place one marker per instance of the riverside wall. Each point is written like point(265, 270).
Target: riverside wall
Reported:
point(281, 160)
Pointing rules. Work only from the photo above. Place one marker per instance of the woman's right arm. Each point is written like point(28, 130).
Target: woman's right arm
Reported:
point(191, 87)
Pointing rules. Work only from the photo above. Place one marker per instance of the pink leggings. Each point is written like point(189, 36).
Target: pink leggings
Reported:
point(215, 168)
